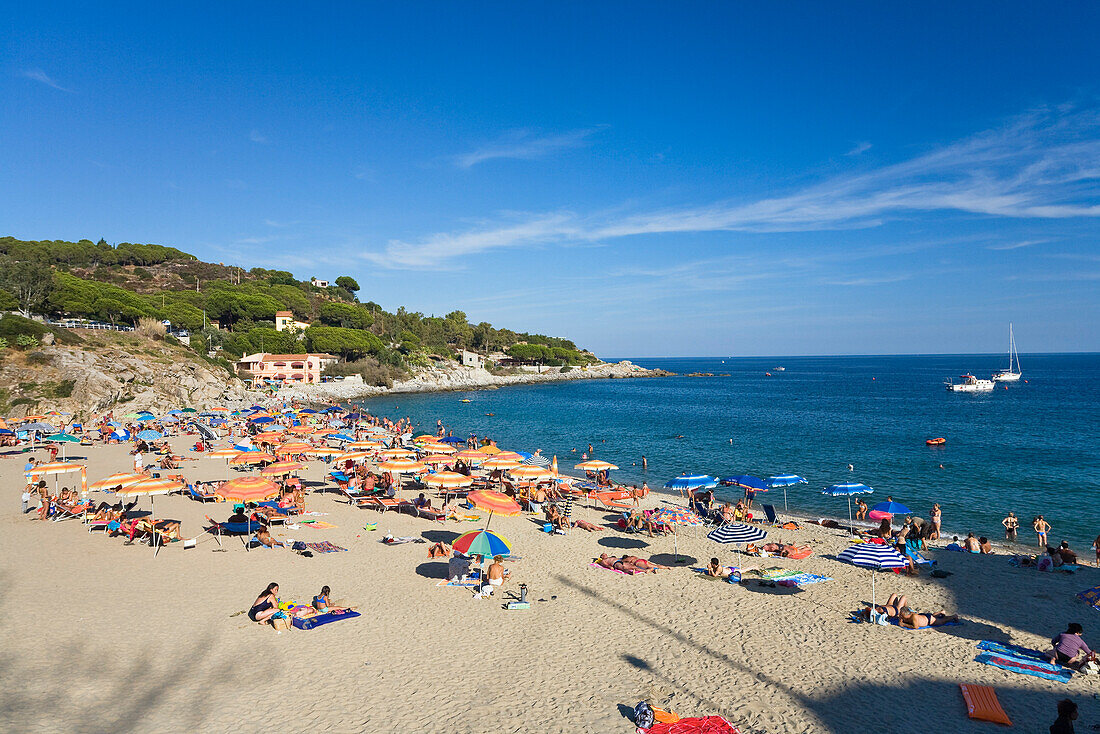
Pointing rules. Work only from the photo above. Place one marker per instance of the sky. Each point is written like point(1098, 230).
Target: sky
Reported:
point(647, 179)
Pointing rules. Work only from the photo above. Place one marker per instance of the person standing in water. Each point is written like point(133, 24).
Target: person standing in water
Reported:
point(1042, 527)
point(645, 464)
point(1012, 524)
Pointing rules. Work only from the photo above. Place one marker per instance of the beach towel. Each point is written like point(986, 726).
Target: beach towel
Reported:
point(803, 579)
point(401, 540)
point(324, 547)
point(894, 621)
point(696, 725)
point(320, 619)
point(316, 524)
point(1021, 660)
point(735, 573)
point(1091, 597)
point(624, 573)
point(468, 583)
point(775, 573)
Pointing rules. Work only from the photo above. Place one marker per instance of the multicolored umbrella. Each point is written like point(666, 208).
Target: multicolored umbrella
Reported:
point(448, 480)
point(482, 543)
point(495, 502)
point(280, 468)
point(436, 460)
point(595, 465)
point(250, 457)
point(676, 516)
point(115, 480)
point(496, 462)
point(529, 473)
point(402, 466)
point(248, 489)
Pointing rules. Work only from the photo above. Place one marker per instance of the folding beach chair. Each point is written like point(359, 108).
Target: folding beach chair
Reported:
point(240, 529)
point(770, 514)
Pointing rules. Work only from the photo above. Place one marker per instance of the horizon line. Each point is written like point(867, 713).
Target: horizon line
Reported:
point(891, 354)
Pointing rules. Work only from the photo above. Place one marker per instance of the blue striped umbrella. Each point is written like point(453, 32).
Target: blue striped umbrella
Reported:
point(692, 481)
point(872, 556)
point(737, 532)
point(847, 490)
point(784, 481)
point(537, 460)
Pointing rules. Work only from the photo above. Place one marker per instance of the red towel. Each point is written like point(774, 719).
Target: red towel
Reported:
point(697, 725)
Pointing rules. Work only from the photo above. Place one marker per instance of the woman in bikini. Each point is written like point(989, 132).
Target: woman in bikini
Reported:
point(936, 517)
point(322, 603)
point(642, 564)
point(266, 604)
point(909, 619)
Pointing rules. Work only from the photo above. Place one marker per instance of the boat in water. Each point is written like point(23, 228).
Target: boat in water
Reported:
point(1012, 374)
point(780, 369)
point(969, 383)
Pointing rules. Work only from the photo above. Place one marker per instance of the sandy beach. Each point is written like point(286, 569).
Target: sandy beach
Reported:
point(103, 636)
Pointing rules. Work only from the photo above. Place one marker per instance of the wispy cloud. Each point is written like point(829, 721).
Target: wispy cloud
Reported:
point(40, 76)
point(1016, 245)
point(524, 145)
point(257, 137)
point(860, 147)
point(1042, 165)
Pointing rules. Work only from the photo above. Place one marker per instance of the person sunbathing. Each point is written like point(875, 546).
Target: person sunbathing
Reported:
point(716, 570)
point(265, 538)
point(585, 525)
point(644, 565)
point(439, 550)
point(615, 564)
point(168, 530)
point(909, 619)
point(891, 608)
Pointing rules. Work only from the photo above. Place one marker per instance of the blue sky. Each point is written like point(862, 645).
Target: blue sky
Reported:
point(647, 179)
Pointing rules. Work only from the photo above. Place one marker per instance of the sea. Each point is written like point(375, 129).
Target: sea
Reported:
point(1032, 447)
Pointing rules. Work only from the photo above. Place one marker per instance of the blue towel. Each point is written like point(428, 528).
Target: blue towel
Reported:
point(316, 621)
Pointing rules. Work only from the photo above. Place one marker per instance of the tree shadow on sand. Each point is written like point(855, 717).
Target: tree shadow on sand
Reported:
point(432, 570)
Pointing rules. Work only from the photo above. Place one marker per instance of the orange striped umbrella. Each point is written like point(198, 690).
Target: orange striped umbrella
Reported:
point(353, 456)
point(471, 456)
point(250, 457)
point(595, 465)
point(424, 438)
point(221, 409)
point(57, 467)
point(448, 480)
point(498, 463)
point(223, 453)
point(402, 466)
point(529, 472)
point(268, 436)
point(437, 448)
point(365, 445)
point(494, 502)
point(323, 451)
point(489, 450)
point(280, 468)
point(122, 479)
point(150, 486)
point(293, 447)
point(301, 429)
point(508, 455)
point(398, 454)
point(248, 489)
point(323, 432)
point(436, 460)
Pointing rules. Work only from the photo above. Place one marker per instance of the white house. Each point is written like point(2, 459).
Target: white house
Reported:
point(470, 359)
point(319, 283)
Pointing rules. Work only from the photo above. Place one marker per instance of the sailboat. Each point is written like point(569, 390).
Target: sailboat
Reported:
point(1012, 374)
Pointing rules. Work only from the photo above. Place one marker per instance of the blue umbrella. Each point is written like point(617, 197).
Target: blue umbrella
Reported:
point(218, 422)
point(333, 409)
point(176, 411)
point(872, 556)
point(341, 437)
point(537, 460)
point(120, 434)
point(692, 481)
point(6, 432)
point(892, 508)
point(747, 481)
point(452, 439)
point(307, 410)
point(114, 424)
point(847, 490)
point(261, 420)
point(353, 416)
point(784, 481)
point(148, 435)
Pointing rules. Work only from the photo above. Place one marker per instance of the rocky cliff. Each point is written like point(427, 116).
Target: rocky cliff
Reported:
point(113, 370)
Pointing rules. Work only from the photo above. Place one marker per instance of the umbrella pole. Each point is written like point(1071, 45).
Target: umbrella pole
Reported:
point(872, 589)
point(849, 514)
point(784, 498)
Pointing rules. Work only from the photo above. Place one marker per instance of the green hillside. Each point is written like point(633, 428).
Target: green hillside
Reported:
point(124, 283)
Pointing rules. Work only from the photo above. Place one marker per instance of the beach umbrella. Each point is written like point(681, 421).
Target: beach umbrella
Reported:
point(595, 465)
point(268, 436)
point(307, 411)
point(482, 543)
point(402, 465)
point(248, 489)
point(250, 457)
point(530, 473)
point(494, 503)
point(784, 481)
point(150, 435)
point(847, 490)
point(438, 448)
point(352, 456)
point(168, 419)
point(452, 439)
point(537, 460)
point(261, 420)
point(293, 447)
point(685, 483)
point(891, 508)
point(397, 454)
point(342, 437)
point(873, 556)
point(206, 432)
point(322, 451)
point(488, 449)
point(150, 487)
point(115, 480)
point(57, 468)
point(424, 438)
point(188, 410)
point(676, 516)
point(223, 453)
point(436, 459)
point(280, 468)
point(448, 480)
point(62, 438)
point(120, 434)
point(370, 445)
point(737, 532)
point(471, 457)
point(496, 462)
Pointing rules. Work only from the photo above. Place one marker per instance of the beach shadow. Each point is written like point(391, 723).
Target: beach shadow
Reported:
point(671, 559)
point(760, 587)
point(627, 712)
point(972, 630)
point(636, 662)
point(432, 570)
point(614, 541)
point(440, 536)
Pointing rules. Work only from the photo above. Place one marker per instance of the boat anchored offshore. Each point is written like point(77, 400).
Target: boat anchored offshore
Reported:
point(969, 383)
point(1012, 374)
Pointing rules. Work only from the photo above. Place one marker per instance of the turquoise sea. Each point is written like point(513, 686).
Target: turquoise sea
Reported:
point(1033, 448)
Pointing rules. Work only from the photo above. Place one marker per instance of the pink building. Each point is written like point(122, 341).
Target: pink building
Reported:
point(262, 367)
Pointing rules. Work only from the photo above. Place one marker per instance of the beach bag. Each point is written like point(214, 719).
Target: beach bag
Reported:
point(643, 715)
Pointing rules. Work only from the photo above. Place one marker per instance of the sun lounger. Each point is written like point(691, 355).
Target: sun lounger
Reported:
point(612, 504)
point(202, 496)
point(240, 529)
point(385, 503)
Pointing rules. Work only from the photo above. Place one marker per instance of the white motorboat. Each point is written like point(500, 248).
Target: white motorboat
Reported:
point(969, 383)
point(1012, 374)
point(780, 369)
